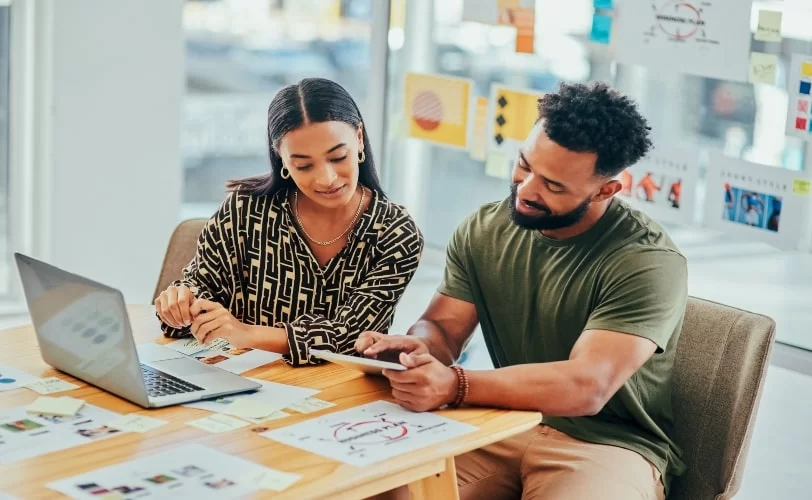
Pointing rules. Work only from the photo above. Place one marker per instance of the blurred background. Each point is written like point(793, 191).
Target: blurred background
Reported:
point(120, 118)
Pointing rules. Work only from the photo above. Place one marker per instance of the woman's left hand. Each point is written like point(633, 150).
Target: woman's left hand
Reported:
point(212, 321)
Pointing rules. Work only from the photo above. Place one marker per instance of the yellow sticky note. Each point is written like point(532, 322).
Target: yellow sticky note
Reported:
point(806, 69)
point(250, 409)
point(218, 423)
point(311, 405)
point(270, 479)
point(136, 423)
point(64, 406)
point(437, 109)
point(497, 165)
point(769, 26)
point(51, 385)
point(801, 187)
point(763, 67)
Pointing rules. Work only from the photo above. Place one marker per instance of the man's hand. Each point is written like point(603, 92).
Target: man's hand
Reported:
point(373, 344)
point(212, 321)
point(426, 385)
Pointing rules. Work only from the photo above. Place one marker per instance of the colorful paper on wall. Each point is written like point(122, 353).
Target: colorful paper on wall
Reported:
point(497, 164)
point(524, 20)
point(480, 129)
point(480, 11)
point(437, 108)
point(755, 201)
point(763, 68)
point(601, 31)
point(768, 28)
point(710, 38)
point(511, 115)
point(799, 118)
point(603, 4)
point(663, 184)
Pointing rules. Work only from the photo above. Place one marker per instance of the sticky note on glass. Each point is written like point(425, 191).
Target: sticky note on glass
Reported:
point(218, 423)
point(51, 385)
point(64, 406)
point(601, 29)
point(763, 67)
point(136, 423)
point(496, 165)
point(270, 479)
point(310, 405)
point(801, 187)
point(806, 69)
point(768, 28)
point(604, 4)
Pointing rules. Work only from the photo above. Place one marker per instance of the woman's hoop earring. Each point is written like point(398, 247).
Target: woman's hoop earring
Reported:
point(362, 157)
point(285, 173)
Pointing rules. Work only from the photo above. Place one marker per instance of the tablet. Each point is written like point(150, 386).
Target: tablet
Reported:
point(366, 365)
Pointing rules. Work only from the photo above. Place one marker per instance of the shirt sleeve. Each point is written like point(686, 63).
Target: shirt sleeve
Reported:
point(456, 281)
point(372, 304)
point(645, 294)
point(209, 274)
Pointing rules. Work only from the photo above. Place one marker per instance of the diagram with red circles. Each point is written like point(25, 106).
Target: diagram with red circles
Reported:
point(709, 38)
point(679, 19)
point(369, 433)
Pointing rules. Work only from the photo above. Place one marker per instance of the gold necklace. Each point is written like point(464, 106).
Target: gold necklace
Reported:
point(330, 242)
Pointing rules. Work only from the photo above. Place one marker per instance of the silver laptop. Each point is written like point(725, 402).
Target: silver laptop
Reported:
point(83, 329)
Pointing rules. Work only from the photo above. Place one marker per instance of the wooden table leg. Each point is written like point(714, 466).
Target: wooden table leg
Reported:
point(442, 485)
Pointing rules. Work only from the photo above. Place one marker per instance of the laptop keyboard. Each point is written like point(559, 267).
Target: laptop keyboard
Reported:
point(162, 384)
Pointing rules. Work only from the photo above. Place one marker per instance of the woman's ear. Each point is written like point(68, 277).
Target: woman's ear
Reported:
point(360, 137)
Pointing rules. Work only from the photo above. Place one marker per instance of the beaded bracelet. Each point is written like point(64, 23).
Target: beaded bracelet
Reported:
point(462, 386)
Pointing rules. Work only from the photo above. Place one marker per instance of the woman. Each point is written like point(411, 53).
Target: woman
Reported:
point(309, 255)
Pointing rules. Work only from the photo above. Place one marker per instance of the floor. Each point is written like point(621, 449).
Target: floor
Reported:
point(780, 455)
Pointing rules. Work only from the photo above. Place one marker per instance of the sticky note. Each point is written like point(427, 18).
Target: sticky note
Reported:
point(801, 187)
point(310, 405)
point(270, 479)
point(806, 69)
point(763, 67)
point(805, 88)
point(51, 385)
point(250, 409)
point(496, 165)
point(803, 106)
point(800, 123)
point(601, 29)
point(768, 28)
point(218, 423)
point(603, 4)
point(64, 406)
point(136, 423)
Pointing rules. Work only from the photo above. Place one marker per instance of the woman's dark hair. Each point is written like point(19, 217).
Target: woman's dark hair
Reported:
point(312, 100)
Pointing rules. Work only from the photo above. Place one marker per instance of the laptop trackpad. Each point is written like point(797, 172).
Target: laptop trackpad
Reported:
point(182, 367)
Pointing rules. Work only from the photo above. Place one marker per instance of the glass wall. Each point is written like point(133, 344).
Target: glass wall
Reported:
point(441, 185)
point(238, 54)
point(5, 258)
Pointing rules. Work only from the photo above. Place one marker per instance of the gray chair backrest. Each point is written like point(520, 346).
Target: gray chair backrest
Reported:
point(180, 252)
point(721, 362)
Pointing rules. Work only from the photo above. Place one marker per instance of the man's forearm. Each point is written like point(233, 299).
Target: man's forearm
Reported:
point(556, 389)
point(436, 340)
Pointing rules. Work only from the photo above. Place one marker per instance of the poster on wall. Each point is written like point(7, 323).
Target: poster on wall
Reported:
point(438, 109)
point(755, 201)
point(799, 116)
point(709, 38)
point(511, 115)
point(663, 184)
point(489, 11)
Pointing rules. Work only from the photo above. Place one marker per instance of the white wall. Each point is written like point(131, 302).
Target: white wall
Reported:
point(108, 166)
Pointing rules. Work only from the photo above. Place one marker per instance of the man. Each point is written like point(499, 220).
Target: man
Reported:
point(581, 301)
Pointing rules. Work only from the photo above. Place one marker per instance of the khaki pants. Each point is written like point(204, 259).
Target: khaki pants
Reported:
point(545, 463)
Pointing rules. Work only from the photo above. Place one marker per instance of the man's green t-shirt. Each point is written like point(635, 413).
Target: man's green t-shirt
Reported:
point(535, 295)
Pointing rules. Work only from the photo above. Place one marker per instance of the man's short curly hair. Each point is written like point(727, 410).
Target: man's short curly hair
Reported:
point(597, 119)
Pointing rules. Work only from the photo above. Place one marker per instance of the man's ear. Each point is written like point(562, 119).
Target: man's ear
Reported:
point(608, 190)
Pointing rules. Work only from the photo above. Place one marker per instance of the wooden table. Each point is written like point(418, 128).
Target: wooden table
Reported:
point(429, 472)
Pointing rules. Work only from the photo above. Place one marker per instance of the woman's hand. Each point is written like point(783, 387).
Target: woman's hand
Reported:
point(173, 306)
point(212, 321)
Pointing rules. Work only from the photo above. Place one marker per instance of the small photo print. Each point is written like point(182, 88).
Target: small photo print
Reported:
point(58, 419)
point(190, 471)
point(751, 208)
point(659, 189)
point(160, 479)
point(237, 352)
point(219, 485)
point(127, 490)
point(23, 425)
point(93, 489)
point(97, 432)
point(213, 360)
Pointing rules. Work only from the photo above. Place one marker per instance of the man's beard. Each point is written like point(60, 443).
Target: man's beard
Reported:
point(547, 221)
